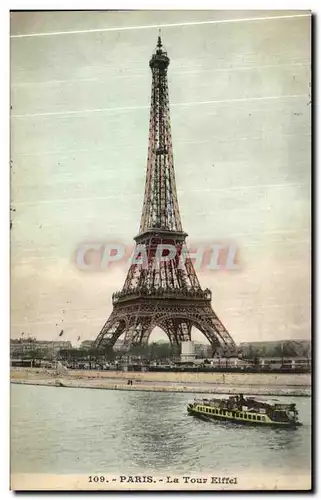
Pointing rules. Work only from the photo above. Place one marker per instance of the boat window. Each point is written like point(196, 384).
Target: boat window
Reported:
point(258, 417)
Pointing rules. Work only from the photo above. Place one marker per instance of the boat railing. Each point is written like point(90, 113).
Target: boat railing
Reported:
point(284, 407)
point(208, 402)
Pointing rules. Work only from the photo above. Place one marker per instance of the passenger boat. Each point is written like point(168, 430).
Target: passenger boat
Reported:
point(241, 410)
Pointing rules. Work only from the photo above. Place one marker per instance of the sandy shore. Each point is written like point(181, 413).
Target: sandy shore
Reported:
point(227, 383)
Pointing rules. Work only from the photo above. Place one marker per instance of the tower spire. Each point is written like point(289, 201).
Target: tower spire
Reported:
point(160, 208)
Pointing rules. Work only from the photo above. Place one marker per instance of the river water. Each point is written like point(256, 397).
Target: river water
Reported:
point(83, 431)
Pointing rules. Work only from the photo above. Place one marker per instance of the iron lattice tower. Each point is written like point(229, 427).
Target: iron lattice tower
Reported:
point(160, 293)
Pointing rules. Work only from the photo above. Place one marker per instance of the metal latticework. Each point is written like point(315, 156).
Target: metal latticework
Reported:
point(160, 208)
point(162, 288)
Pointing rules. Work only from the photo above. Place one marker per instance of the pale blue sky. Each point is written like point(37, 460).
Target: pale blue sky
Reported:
point(239, 96)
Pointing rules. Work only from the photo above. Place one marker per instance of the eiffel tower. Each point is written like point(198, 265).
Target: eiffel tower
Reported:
point(162, 289)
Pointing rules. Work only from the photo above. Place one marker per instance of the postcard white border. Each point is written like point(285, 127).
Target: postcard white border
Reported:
point(5, 6)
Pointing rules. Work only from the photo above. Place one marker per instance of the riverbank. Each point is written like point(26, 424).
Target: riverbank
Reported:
point(227, 383)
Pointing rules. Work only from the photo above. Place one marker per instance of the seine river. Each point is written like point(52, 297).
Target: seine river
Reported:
point(83, 431)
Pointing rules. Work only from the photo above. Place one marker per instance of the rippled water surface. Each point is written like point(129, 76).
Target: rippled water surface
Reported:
point(59, 430)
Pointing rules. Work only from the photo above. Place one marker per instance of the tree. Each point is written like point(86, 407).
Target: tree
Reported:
point(138, 350)
point(289, 350)
point(251, 353)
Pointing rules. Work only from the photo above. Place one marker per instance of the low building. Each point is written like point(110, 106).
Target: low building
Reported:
point(20, 347)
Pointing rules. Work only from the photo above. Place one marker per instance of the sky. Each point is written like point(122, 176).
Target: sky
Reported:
point(240, 116)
